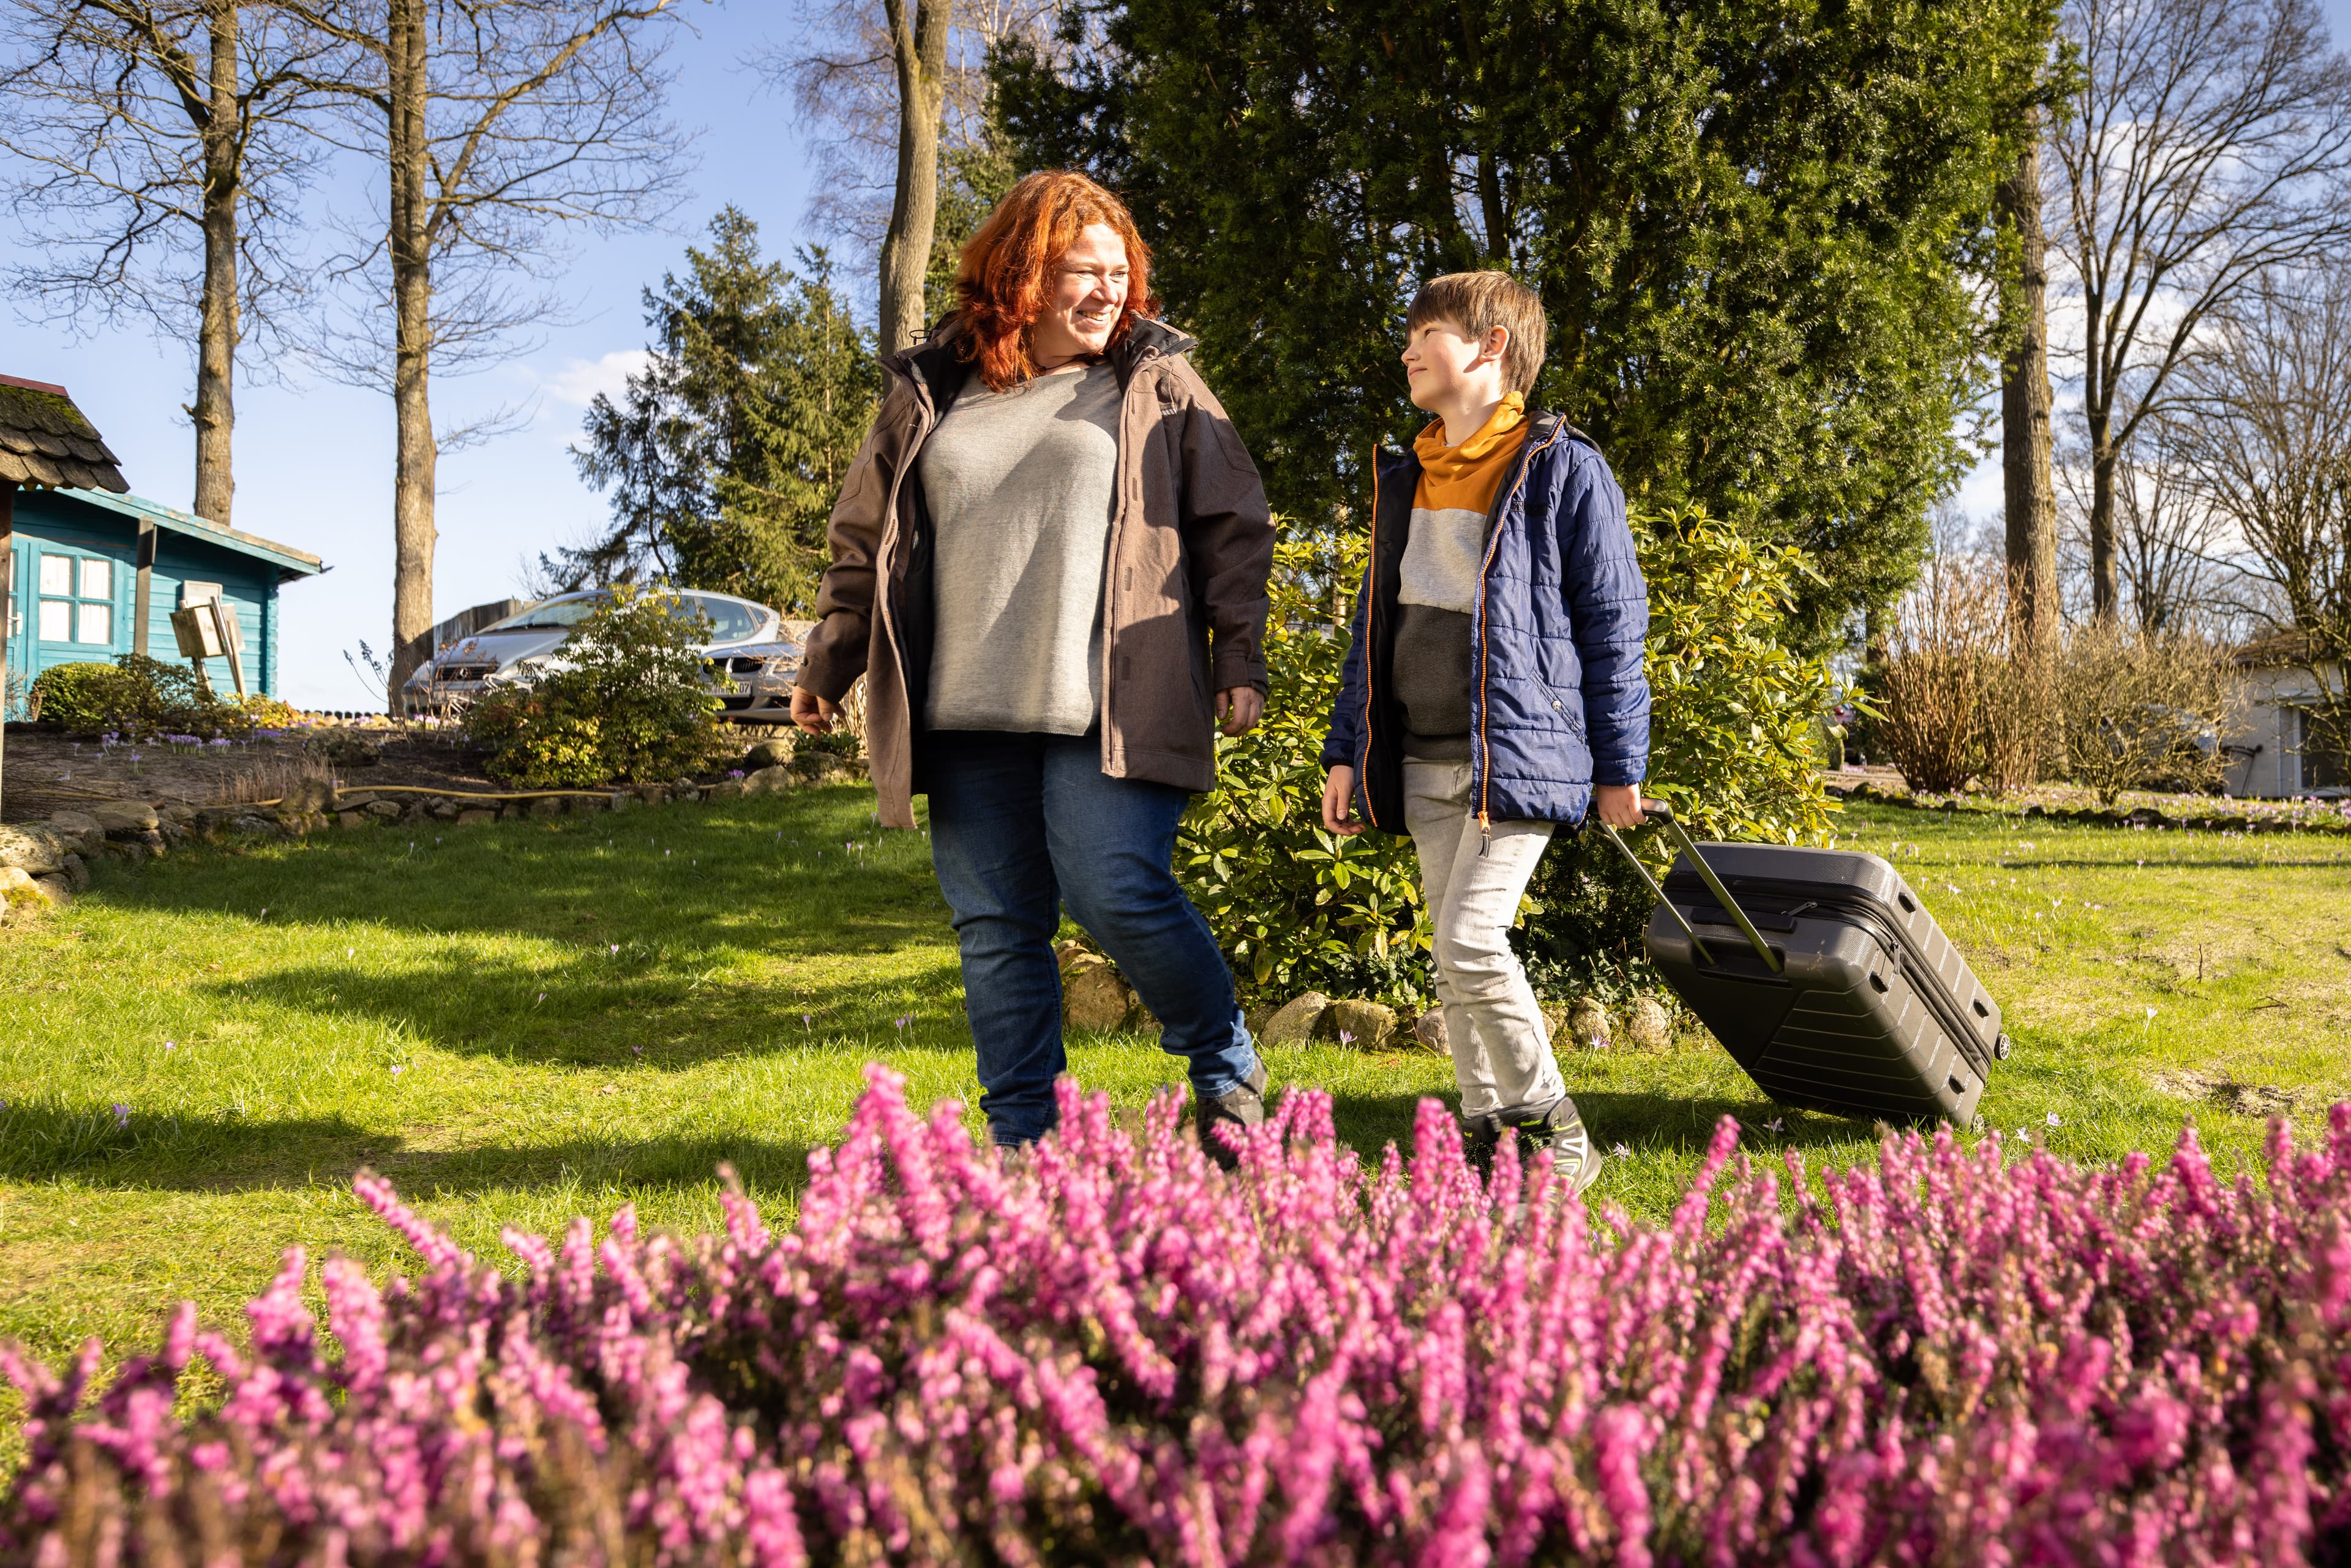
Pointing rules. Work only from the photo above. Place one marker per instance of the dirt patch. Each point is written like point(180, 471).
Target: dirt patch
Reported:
point(2257, 1100)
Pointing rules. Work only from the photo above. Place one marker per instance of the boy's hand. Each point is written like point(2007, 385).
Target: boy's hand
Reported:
point(1339, 801)
point(1619, 805)
point(1238, 708)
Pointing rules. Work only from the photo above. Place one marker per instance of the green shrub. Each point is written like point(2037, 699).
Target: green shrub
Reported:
point(626, 700)
point(1732, 742)
point(841, 741)
point(1295, 906)
point(137, 698)
point(269, 713)
point(84, 697)
point(1731, 747)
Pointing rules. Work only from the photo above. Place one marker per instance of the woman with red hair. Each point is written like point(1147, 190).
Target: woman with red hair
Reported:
point(1049, 563)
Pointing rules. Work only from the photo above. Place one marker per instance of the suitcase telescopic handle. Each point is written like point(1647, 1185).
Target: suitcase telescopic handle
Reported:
point(1657, 810)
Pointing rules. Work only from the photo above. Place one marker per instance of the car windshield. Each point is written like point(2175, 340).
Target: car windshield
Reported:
point(730, 621)
point(556, 615)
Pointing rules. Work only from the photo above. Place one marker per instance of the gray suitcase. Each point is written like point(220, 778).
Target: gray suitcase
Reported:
point(1824, 976)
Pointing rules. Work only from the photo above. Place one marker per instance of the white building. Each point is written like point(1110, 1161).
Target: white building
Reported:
point(2273, 752)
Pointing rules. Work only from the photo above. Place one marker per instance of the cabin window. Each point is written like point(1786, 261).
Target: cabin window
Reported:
point(77, 600)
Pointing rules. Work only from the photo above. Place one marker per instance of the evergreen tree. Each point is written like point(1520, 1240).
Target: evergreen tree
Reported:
point(972, 178)
point(1764, 236)
point(725, 453)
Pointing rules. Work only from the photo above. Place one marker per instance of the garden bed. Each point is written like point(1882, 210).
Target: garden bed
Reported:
point(2132, 808)
point(48, 770)
point(1108, 1352)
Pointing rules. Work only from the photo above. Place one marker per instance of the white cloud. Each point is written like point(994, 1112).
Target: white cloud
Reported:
point(579, 381)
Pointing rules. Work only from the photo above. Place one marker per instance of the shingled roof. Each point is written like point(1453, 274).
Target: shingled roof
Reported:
point(45, 443)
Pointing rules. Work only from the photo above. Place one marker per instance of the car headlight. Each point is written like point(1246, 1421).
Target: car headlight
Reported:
point(521, 672)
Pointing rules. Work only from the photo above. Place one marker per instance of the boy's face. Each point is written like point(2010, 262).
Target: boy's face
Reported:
point(1445, 367)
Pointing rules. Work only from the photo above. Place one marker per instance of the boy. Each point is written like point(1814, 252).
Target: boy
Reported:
point(1494, 688)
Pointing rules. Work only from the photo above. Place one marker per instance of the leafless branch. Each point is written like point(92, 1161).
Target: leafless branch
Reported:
point(841, 77)
point(2208, 145)
point(103, 120)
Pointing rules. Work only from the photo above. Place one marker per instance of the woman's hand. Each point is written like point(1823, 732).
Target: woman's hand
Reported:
point(1238, 708)
point(1339, 801)
point(811, 712)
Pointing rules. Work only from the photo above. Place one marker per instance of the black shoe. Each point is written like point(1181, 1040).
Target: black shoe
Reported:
point(1242, 1105)
point(1481, 1137)
point(1560, 1128)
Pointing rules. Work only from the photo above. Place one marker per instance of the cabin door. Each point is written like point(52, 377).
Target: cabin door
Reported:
point(16, 650)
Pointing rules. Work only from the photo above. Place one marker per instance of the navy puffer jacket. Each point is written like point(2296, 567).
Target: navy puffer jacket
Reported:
point(1560, 701)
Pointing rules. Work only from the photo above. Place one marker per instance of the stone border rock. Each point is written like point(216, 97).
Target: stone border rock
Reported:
point(44, 864)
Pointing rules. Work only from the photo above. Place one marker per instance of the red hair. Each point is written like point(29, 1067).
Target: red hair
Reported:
point(1006, 274)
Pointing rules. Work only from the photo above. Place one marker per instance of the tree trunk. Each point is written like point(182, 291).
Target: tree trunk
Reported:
point(2106, 596)
point(216, 332)
point(2024, 401)
point(411, 300)
point(920, 44)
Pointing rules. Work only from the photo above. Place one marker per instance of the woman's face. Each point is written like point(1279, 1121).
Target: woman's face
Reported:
point(1089, 293)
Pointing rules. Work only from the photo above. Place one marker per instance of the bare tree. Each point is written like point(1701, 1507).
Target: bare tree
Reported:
point(2271, 453)
point(2207, 144)
point(2169, 540)
point(2025, 405)
point(858, 65)
point(162, 155)
point(497, 123)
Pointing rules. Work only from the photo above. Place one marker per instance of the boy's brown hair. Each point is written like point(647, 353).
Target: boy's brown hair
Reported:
point(1477, 303)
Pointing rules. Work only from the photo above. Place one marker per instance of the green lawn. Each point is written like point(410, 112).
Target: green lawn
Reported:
point(526, 1021)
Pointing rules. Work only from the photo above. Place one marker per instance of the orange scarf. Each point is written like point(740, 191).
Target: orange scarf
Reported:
point(1465, 477)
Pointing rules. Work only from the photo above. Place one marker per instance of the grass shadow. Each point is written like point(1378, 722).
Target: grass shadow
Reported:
point(110, 1147)
point(1641, 1121)
point(603, 1009)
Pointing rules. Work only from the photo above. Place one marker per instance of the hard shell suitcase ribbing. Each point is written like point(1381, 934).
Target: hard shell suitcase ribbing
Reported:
point(1825, 977)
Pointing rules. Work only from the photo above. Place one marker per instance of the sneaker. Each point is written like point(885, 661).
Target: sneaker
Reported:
point(1559, 1127)
point(1242, 1105)
point(1482, 1138)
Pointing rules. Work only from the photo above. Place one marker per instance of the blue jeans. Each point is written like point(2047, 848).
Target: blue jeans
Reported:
point(1021, 822)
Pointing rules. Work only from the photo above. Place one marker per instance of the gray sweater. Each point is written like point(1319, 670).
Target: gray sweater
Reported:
point(1019, 485)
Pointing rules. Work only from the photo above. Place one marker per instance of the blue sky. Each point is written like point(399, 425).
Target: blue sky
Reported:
point(314, 458)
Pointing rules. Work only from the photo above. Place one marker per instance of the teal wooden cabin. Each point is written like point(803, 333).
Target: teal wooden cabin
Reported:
point(93, 575)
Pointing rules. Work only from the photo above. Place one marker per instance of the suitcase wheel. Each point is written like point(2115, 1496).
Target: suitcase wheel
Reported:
point(2001, 1048)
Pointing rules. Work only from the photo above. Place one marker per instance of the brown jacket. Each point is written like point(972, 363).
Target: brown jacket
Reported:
point(1183, 599)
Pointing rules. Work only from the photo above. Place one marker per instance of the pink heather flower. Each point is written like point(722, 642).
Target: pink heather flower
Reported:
point(1109, 1347)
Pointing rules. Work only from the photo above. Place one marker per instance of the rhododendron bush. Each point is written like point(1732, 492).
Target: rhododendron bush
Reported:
point(1112, 1352)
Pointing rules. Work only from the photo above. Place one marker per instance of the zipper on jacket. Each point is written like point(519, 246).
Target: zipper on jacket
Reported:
point(1142, 358)
point(1485, 633)
point(893, 621)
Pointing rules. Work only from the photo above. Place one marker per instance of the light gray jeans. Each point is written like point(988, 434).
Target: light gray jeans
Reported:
point(1502, 1051)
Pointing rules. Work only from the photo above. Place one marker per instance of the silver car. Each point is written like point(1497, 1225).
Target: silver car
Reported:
point(510, 650)
point(761, 675)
